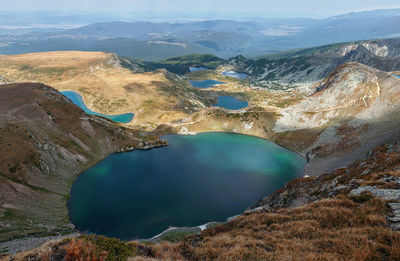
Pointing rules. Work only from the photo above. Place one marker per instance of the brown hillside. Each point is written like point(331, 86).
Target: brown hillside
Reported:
point(45, 142)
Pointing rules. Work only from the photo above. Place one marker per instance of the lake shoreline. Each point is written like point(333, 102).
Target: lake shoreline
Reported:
point(236, 135)
point(76, 96)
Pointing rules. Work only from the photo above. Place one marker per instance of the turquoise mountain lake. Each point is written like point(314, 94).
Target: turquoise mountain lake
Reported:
point(235, 74)
point(231, 103)
point(227, 102)
point(77, 100)
point(193, 180)
point(195, 69)
point(205, 84)
point(397, 76)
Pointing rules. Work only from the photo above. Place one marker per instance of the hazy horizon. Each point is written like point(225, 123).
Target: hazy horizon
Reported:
point(192, 10)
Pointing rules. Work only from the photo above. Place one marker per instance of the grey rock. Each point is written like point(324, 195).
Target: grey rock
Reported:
point(388, 194)
point(394, 206)
point(395, 227)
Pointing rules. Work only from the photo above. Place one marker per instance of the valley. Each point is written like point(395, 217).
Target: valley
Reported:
point(332, 92)
point(333, 105)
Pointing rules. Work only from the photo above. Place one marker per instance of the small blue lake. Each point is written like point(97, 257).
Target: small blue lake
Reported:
point(397, 76)
point(205, 84)
point(195, 69)
point(234, 74)
point(77, 100)
point(231, 103)
point(192, 181)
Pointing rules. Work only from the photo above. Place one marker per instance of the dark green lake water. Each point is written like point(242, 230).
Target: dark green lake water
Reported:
point(77, 100)
point(194, 180)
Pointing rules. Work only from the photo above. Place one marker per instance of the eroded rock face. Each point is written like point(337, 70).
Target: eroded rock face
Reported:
point(350, 89)
point(303, 70)
point(381, 171)
point(382, 51)
point(45, 142)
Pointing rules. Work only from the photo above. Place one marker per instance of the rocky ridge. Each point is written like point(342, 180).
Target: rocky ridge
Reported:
point(304, 69)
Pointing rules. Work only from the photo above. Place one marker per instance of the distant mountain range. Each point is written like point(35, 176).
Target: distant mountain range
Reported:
point(306, 67)
point(223, 38)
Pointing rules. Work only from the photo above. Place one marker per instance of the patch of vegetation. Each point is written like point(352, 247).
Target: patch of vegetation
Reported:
point(13, 169)
point(115, 248)
point(362, 198)
point(304, 51)
point(96, 248)
point(23, 182)
point(180, 65)
point(26, 68)
point(179, 234)
point(52, 71)
point(84, 90)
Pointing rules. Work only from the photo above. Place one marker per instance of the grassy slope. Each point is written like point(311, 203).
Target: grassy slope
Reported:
point(45, 142)
point(333, 224)
point(106, 87)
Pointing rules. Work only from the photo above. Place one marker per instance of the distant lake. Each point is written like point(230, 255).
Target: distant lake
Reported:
point(195, 69)
point(194, 180)
point(205, 84)
point(235, 74)
point(77, 100)
point(397, 76)
point(231, 103)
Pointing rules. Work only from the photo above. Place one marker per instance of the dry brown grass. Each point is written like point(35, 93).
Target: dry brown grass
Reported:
point(331, 229)
point(105, 88)
point(79, 249)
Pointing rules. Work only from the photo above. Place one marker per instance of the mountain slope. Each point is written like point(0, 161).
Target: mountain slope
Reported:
point(349, 214)
point(355, 109)
point(45, 142)
point(304, 69)
point(110, 84)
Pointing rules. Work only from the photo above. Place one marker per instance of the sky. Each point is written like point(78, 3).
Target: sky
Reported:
point(232, 8)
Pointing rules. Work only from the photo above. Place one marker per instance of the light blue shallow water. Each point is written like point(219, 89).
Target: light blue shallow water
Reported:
point(77, 100)
point(194, 180)
point(231, 103)
point(205, 84)
point(397, 76)
point(235, 74)
point(195, 69)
